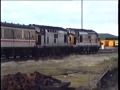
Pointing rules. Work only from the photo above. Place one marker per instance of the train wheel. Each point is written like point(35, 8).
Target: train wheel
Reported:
point(82, 52)
point(34, 54)
point(87, 52)
point(14, 56)
point(22, 56)
point(91, 52)
point(29, 52)
point(7, 56)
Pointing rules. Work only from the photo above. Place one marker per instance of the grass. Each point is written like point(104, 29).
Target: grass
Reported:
point(86, 79)
point(76, 79)
point(79, 79)
point(59, 68)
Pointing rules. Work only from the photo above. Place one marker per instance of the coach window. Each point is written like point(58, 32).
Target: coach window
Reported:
point(81, 38)
point(65, 38)
point(5, 33)
point(15, 35)
point(89, 37)
point(32, 35)
point(8, 33)
point(12, 33)
point(26, 35)
point(1, 33)
point(18, 34)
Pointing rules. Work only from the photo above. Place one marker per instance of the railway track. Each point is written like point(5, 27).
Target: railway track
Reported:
point(108, 50)
point(18, 58)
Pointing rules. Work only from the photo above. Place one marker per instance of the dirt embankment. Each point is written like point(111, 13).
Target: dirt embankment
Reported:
point(109, 81)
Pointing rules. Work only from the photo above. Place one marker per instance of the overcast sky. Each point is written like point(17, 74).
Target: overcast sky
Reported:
point(99, 15)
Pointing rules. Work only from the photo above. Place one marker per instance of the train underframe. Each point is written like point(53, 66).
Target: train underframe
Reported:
point(34, 51)
point(46, 51)
point(86, 49)
point(18, 51)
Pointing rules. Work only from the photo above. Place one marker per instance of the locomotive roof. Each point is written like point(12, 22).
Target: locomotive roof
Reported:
point(49, 27)
point(81, 30)
point(16, 25)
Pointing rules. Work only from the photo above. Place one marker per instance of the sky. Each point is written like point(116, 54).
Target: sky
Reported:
point(98, 15)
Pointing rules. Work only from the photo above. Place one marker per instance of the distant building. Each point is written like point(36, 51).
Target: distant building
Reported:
point(108, 39)
point(106, 36)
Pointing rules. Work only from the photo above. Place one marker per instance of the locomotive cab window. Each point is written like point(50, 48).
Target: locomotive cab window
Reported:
point(55, 35)
point(65, 38)
point(81, 38)
point(89, 37)
point(98, 39)
point(47, 40)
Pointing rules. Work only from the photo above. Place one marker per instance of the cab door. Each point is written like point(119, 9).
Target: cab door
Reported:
point(72, 40)
point(38, 39)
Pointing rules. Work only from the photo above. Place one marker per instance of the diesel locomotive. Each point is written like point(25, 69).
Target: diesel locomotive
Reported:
point(36, 40)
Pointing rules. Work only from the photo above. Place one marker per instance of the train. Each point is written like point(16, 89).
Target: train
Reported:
point(39, 40)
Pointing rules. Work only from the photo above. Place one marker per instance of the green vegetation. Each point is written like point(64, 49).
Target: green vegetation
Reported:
point(57, 69)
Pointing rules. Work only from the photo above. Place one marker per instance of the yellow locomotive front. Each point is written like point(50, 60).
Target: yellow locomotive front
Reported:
point(72, 39)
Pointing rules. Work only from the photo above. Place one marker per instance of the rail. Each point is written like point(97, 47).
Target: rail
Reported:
point(101, 51)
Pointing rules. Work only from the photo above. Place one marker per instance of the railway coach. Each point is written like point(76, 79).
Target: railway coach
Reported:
point(17, 40)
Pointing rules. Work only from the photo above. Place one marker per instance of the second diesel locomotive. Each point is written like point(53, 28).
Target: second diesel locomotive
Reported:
point(37, 40)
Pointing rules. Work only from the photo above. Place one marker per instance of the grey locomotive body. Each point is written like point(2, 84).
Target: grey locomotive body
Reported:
point(86, 41)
